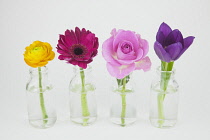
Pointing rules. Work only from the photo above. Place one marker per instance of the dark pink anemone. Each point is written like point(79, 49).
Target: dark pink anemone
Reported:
point(78, 47)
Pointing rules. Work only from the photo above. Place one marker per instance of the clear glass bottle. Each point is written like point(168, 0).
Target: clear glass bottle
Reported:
point(41, 111)
point(123, 104)
point(83, 107)
point(164, 100)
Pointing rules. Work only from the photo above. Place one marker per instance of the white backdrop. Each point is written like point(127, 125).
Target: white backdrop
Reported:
point(24, 21)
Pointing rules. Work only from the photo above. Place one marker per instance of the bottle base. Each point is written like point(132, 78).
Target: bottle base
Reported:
point(123, 122)
point(85, 121)
point(164, 124)
point(42, 123)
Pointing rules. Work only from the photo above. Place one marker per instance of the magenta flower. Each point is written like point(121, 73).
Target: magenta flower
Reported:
point(125, 52)
point(78, 47)
point(170, 45)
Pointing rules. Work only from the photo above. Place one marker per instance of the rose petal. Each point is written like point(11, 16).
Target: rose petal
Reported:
point(174, 49)
point(161, 53)
point(144, 64)
point(125, 35)
point(139, 54)
point(108, 53)
point(123, 56)
point(143, 45)
point(120, 71)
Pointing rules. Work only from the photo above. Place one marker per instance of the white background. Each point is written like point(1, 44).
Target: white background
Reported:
point(24, 21)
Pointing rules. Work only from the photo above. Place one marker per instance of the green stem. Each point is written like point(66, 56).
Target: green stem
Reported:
point(160, 110)
point(85, 110)
point(123, 95)
point(41, 96)
point(165, 78)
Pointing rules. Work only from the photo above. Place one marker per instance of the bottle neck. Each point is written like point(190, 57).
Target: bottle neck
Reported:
point(39, 71)
point(79, 70)
point(161, 73)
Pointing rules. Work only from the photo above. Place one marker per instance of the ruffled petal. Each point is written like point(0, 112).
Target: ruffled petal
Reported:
point(144, 64)
point(108, 53)
point(120, 71)
point(125, 36)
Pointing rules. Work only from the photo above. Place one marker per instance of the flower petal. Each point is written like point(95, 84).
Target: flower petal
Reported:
point(123, 56)
point(187, 42)
point(144, 64)
point(70, 38)
point(88, 40)
point(174, 49)
point(125, 36)
point(165, 29)
point(108, 53)
point(78, 34)
point(161, 53)
point(82, 64)
point(174, 37)
point(160, 37)
point(144, 45)
point(120, 71)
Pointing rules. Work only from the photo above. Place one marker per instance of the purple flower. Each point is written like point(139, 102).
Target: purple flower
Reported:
point(170, 45)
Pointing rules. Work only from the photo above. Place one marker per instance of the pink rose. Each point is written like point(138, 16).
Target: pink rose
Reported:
point(125, 52)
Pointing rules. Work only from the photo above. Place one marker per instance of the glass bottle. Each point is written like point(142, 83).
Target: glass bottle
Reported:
point(41, 111)
point(164, 100)
point(123, 104)
point(83, 107)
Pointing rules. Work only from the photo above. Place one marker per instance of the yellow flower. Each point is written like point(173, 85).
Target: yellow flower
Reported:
point(38, 54)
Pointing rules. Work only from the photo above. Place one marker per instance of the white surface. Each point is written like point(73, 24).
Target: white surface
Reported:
point(23, 21)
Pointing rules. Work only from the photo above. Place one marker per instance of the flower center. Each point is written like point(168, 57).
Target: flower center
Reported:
point(126, 48)
point(78, 51)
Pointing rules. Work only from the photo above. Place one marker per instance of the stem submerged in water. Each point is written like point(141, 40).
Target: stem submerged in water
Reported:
point(85, 110)
point(41, 96)
point(123, 95)
point(165, 77)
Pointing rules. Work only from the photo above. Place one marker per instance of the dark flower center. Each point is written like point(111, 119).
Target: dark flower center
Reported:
point(78, 51)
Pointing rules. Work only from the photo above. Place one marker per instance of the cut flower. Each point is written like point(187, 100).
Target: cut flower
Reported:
point(125, 51)
point(170, 44)
point(78, 47)
point(38, 54)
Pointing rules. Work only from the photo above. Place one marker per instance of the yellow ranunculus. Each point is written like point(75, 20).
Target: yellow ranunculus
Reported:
point(38, 54)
